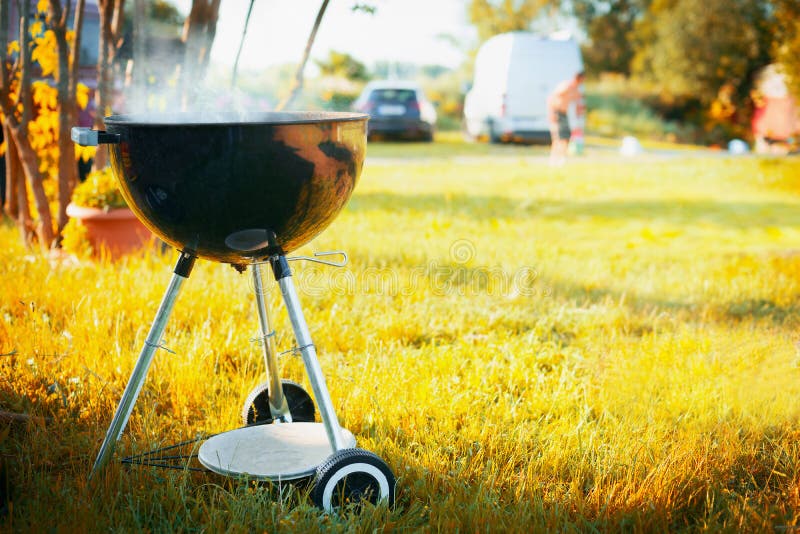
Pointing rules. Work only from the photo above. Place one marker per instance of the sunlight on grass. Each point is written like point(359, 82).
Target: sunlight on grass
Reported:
point(606, 345)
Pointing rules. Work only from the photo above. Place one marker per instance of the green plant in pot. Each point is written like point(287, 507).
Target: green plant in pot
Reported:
point(100, 221)
point(100, 191)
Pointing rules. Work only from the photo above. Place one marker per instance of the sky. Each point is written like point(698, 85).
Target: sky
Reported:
point(400, 30)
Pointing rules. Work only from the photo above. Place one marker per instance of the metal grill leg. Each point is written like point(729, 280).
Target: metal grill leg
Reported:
point(278, 405)
point(139, 373)
point(309, 353)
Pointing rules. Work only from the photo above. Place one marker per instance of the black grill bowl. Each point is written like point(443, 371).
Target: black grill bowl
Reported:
point(237, 188)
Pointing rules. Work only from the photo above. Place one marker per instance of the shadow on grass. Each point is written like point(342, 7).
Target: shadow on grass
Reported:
point(688, 213)
point(643, 306)
point(738, 215)
point(463, 281)
point(685, 493)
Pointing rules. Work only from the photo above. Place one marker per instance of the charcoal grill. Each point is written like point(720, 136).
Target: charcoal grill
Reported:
point(248, 189)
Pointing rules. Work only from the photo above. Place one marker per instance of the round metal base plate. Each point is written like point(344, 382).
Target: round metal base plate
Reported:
point(280, 451)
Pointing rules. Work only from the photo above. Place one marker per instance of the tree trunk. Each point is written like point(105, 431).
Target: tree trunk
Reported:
point(16, 193)
point(101, 94)
point(16, 205)
point(137, 81)
point(17, 126)
point(199, 31)
point(297, 84)
point(111, 17)
point(30, 166)
point(67, 111)
point(11, 207)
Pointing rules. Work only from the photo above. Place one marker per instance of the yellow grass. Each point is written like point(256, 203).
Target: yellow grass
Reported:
point(609, 345)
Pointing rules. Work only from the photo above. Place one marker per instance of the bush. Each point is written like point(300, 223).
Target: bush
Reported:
point(100, 191)
point(76, 239)
point(618, 107)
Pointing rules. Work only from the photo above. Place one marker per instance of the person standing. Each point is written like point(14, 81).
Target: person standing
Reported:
point(558, 103)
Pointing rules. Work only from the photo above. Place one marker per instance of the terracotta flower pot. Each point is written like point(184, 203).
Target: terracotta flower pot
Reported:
point(116, 231)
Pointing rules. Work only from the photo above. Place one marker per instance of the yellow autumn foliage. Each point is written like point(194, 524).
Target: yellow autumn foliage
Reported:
point(43, 45)
point(43, 128)
point(82, 95)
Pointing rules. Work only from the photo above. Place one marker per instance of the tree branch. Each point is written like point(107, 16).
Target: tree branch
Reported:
point(4, 75)
point(25, 96)
point(297, 86)
point(75, 53)
point(241, 44)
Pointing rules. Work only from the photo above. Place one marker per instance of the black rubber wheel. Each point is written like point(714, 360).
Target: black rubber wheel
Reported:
point(352, 476)
point(256, 407)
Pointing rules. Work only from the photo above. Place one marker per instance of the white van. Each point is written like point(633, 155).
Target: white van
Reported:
point(514, 74)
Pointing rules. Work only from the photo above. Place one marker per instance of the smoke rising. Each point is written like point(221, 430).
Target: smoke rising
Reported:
point(153, 85)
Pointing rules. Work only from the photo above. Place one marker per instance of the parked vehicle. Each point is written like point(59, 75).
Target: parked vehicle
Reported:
point(397, 109)
point(514, 74)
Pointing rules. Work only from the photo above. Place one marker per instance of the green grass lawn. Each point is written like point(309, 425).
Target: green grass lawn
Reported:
point(610, 345)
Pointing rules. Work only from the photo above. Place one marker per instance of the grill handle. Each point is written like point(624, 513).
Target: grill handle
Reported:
point(316, 259)
point(88, 137)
